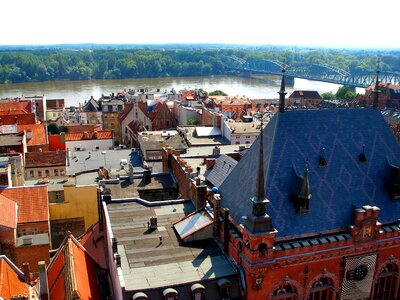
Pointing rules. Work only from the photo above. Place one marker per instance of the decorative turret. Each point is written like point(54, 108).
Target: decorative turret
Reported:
point(304, 195)
point(282, 93)
point(259, 220)
point(376, 91)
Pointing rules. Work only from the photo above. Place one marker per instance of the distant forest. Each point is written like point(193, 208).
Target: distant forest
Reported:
point(45, 64)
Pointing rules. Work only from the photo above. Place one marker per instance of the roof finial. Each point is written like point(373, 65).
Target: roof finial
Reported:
point(376, 90)
point(260, 178)
point(282, 93)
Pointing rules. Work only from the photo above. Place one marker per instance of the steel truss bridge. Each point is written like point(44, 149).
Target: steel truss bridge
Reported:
point(316, 72)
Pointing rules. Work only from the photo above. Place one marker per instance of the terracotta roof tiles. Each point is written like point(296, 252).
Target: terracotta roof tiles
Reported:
point(12, 282)
point(32, 202)
point(20, 119)
point(16, 105)
point(37, 132)
point(45, 159)
point(97, 135)
point(8, 212)
point(66, 266)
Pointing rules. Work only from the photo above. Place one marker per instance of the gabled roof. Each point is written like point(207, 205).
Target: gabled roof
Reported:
point(72, 274)
point(305, 95)
point(45, 159)
point(38, 132)
point(83, 127)
point(91, 106)
point(32, 202)
point(8, 212)
point(221, 170)
point(12, 281)
point(127, 109)
point(292, 137)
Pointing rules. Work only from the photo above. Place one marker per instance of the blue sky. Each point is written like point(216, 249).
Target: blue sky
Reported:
point(338, 23)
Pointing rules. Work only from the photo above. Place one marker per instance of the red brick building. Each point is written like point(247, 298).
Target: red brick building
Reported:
point(388, 97)
point(312, 210)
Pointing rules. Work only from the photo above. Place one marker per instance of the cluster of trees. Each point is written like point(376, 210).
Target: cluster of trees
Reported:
point(343, 93)
point(99, 63)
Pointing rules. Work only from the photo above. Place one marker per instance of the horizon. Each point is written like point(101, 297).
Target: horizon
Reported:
point(345, 25)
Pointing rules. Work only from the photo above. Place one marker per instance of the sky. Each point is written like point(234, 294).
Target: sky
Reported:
point(316, 23)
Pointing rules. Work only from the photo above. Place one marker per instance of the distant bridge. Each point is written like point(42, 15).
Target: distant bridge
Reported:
point(316, 72)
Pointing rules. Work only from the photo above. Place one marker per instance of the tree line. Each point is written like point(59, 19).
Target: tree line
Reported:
point(67, 64)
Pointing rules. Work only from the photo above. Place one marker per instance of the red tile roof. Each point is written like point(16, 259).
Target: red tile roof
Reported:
point(83, 128)
point(12, 282)
point(74, 264)
point(38, 132)
point(20, 119)
point(8, 212)
point(13, 112)
point(384, 84)
point(16, 105)
point(32, 202)
point(92, 241)
point(45, 159)
point(98, 135)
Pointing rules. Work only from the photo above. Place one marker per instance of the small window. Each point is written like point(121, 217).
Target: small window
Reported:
point(47, 173)
point(58, 195)
point(62, 172)
point(32, 173)
point(56, 172)
point(39, 173)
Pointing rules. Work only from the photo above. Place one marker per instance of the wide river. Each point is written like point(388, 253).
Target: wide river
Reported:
point(75, 92)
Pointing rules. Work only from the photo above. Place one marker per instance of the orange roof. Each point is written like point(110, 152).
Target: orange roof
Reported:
point(384, 84)
point(45, 159)
point(74, 264)
point(8, 212)
point(20, 119)
point(38, 134)
point(16, 105)
point(83, 128)
point(12, 282)
point(97, 135)
point(92, 242)
point(13, 112)
point(55, 142)
point(32, 202)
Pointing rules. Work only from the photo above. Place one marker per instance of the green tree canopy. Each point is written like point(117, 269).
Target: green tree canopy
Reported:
point(217, 93)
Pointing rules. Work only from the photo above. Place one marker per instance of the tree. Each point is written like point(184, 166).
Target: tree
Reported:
point(53, 128)
point(217, 93)
point(345, 93)
point(192, 122)
point(328, 96)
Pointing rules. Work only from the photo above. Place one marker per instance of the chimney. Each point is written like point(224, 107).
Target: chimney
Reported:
point(43, 288)
point(26, 270)
point(147, 176)
point(216, 150)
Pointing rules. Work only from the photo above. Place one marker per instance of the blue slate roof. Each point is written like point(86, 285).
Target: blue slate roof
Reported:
point(345, 183)
point(222, 168)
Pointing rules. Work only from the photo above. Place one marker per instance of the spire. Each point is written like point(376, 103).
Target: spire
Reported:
point(260, 178)
point(376, 91)
point(305, 190)
point(282, 93)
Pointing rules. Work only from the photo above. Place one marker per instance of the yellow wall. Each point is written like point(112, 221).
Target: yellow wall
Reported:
point(79, 201)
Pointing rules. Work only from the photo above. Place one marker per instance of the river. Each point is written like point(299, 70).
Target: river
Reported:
point(75, 92)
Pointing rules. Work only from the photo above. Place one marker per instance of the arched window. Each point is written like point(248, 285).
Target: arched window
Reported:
point(286, 292)
point(386, 284)
point(321, 290)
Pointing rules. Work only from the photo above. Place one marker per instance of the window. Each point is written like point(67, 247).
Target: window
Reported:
point(56, 172)
point(47, 173)
point(58, 195)
point(39, 173)
point(321, 290)
point(62, 172)
point(385, 287)
point(32, 173)
point(286, 292)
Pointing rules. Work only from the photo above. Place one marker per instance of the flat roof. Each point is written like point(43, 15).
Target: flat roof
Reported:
point(208, 150)
point(146, 263)
point(57, 184)
point(89, 160)
point(124, 189)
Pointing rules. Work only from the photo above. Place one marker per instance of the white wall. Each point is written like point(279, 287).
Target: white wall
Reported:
point(89, 145)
